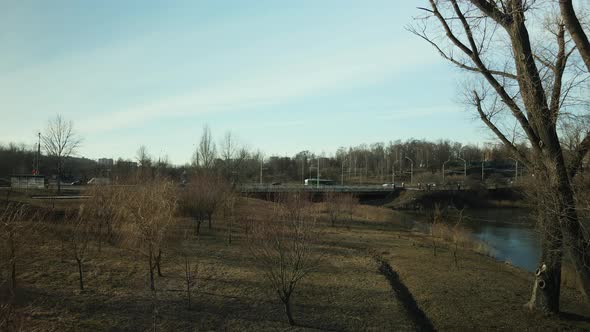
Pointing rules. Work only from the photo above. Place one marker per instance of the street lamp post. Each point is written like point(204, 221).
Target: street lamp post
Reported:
point(342, 173)
point(318, 177)
point(261, 163)
point(482, 171)
point(411, 170)
point(464, 168)
point(515, 170)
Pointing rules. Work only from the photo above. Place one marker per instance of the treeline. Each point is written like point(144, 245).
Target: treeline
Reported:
point(374, 163)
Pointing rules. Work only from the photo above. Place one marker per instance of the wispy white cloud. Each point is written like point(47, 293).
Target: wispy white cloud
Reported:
point(271, 84)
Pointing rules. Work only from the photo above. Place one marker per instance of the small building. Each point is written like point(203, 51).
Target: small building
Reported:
point(28, 181)
point(105, 162)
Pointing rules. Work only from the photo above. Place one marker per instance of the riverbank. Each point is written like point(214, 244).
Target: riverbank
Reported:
point(376, 275)
point(469, 198)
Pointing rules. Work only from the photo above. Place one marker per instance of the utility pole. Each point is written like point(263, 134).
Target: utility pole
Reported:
point(515, 170)
point(318, 177)
point(464, 168)
point(482, 173)
point(261, 163)
point(302, 170)
point(342, 174)
point(38, 154)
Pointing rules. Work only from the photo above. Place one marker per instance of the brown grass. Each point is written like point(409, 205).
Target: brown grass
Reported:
point(346, 293)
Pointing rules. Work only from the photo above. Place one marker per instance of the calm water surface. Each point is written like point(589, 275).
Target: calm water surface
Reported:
point(510, 233)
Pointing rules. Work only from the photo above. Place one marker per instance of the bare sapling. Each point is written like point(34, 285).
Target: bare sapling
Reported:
point(333, 206)
point(349, 203)
point(456, 236)
point(102, 207)
point(437, 219)
point(12, 229)
point(283, 247)
point(191, 202)
point(229, 213)
point(147, 211)
point(189, 264)
point(79, 233)
point(213, 191)
point(202, 197)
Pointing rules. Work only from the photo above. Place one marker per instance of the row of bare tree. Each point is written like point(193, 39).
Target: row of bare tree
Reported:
point(147, 219)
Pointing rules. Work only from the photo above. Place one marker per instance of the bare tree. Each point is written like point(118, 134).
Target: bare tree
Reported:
point(229, 212)
point(530, 84)
point(12, 231)
point(192, 201)
point(78, 228)
point(60, 142)
point(437, 218)
point(189, 265)
point(335, 206)
point(228, 152)
point(206, 152)
point(283, 246)
point(349, 203)
point(145, 163)
point(102, 208)
point(202, 197)
point(148, 211)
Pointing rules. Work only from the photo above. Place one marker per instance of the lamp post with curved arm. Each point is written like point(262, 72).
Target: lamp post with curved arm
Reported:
point(464, 168)
point(515, 170)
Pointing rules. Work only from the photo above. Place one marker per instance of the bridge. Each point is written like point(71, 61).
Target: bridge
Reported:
point(363, 192)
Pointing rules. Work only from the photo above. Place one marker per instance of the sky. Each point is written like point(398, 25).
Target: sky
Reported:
point(281, 76)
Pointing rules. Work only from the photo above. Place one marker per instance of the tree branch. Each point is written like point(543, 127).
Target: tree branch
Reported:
point(497, 131)
point(492, 11)
point(559, 69)
point(579, 156)
point(472, 53)
point(575, 30)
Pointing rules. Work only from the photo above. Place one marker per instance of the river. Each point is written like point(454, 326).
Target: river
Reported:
point(510, 233)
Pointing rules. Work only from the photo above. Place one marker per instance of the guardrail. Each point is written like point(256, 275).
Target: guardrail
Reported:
point(314, 188)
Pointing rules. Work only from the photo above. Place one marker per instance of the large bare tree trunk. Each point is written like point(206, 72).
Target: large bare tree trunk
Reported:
point(547, 284)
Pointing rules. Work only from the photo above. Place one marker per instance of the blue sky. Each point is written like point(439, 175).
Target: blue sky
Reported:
point(129, 73)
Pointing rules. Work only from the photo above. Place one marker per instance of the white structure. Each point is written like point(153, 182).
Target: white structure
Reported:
point(27, 181)
point(100, 181)
point(106, 162)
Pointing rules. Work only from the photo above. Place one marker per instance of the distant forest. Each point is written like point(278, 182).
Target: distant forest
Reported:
point(374, 163)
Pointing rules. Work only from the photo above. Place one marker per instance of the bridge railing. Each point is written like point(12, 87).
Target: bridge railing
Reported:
point(313, 188)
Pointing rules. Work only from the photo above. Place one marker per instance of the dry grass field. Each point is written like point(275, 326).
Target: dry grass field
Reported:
point(375, 274)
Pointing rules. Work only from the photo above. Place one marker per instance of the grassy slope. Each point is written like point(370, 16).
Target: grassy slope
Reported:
point(348, 292)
